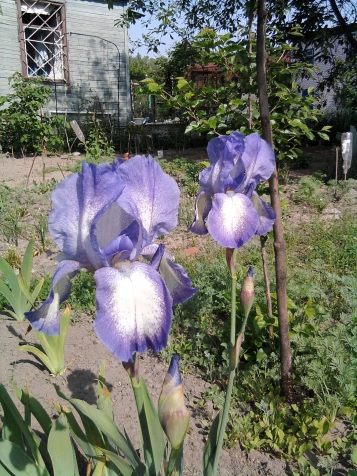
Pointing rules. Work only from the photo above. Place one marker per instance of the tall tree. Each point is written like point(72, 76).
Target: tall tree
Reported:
point(320, 20)
point(279, 242)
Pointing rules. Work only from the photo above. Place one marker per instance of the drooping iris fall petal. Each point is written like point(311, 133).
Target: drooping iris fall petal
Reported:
point(174, 275)
point(46, 318)
point(134, 309)
point(232, 220)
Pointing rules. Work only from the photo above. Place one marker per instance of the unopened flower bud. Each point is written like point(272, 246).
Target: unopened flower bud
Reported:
point(247, 292)
point(232, 265)
point(236, 351)
point(173, 414)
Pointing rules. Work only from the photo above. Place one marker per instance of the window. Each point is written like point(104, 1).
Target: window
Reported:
point(43, 40)
point(310, 55)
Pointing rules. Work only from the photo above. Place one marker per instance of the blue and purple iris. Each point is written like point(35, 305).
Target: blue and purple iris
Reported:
point(226, 205)
point(103, 220)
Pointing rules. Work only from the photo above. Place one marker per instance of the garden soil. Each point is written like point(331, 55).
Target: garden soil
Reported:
point(84, 353)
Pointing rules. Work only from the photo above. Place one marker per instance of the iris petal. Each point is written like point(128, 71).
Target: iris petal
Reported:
point(223, 152)
point(259, 161)
point(150, 196)
point(108, 225)
point(203, 205)
point(46, 318)
point(265, 213)
point(233, 220)
point(174, 275)
point(76, 201)
point(134, 309)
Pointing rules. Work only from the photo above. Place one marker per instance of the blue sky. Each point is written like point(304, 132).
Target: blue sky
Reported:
point(135, 33)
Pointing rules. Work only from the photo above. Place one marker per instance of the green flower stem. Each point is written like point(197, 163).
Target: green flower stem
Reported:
point(232, 369)
point(234, 360)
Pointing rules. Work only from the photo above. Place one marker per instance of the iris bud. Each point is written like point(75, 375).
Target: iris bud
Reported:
point(173, 414)
point(231, 262)
point(247, 292)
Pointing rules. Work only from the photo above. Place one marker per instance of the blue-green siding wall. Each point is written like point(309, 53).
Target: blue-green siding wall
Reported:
point(98, 59)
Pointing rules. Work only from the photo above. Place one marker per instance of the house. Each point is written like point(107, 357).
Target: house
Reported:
point(75, 47)
point(321, 71)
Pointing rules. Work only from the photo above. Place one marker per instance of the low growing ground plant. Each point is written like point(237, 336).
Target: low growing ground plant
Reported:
point(16, 287)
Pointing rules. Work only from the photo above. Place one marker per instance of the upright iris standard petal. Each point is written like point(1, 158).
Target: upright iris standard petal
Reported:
point(203, 206)
point(258, 159)
point(226, 205)
point(46, 318)
point(76, 201)
point(232, 220)
point(134, 309)
point(223, 152)
point(150, 196)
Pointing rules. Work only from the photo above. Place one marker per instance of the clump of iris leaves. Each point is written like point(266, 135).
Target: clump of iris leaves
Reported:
point(322, 295)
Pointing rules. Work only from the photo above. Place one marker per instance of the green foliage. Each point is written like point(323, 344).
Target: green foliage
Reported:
point(96, 438)
point(310, 192)
point(344, 83)
point(41, 228)
point(51, 352)
point(97, 144)
point(303, 160)
point(16, 288)
point(22, 126)
point(339, 120)
point(82, 296)
point(228, 101)
point(44, 187)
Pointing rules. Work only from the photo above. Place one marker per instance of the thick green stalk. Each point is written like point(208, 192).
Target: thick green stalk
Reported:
point(232, 367)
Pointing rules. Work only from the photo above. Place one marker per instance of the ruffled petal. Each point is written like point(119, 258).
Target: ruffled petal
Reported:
point(134, 309)
point(46, 319)
point(174, 275)
point(266, 215)
point(108, 225)
point(150, 196)
point(125, 246)
point(203, 206)
point(232, 220)
point(224, 153)
point(76, 201)
point(259, 161)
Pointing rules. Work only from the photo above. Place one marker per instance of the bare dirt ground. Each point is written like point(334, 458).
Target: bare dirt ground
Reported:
point(86, 353)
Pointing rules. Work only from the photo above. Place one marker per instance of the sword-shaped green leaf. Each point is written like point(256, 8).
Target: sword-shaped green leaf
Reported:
point(152, 435)
point(61, 450)
point(17, 461)
point(99, 421)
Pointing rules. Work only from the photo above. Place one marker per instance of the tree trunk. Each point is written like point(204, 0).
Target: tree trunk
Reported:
point(279, 243)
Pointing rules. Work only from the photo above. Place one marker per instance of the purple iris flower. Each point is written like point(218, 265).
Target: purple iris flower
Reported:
point(103, 219)
point(226, 205)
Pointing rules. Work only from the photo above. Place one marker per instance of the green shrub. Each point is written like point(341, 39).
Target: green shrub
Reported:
point(22, 126)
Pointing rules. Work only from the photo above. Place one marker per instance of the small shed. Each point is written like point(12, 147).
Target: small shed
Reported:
point(77, 50)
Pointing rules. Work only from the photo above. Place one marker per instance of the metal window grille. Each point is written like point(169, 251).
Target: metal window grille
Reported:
point(43, 40)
